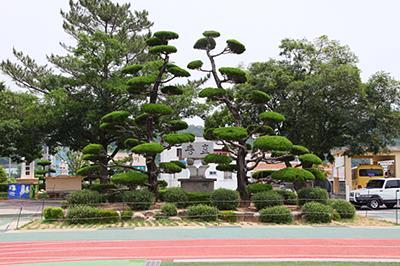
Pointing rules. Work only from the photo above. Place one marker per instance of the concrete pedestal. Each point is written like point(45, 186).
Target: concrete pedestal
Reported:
point(197, 184)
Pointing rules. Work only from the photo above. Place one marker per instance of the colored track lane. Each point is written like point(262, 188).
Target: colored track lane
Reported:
point(57, 251)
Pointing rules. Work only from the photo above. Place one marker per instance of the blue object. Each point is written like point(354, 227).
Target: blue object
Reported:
point(19, 191)
point(140, 167)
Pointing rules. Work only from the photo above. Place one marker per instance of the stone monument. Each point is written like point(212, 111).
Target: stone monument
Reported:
point(194, 153)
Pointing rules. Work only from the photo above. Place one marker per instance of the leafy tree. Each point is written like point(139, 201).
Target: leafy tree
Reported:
point(3, 175)
point(86, 82)
point(317, 86)
point(241, 121)
point(155, 128)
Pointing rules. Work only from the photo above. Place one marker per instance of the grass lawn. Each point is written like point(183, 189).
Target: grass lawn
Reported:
point(281, 264)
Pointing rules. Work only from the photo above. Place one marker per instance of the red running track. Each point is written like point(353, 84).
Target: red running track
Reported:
point(57, 251)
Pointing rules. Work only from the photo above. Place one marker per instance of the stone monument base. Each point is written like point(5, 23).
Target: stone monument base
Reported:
point(197, 184)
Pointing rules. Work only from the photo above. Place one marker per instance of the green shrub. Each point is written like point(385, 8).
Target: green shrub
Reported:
point(84, 197)
point(138, 199)
point(277, 215)
point(177, 196)
point(81, 214)
point(258, 187)
point(126, 214)
point(169, 209)
point(289, 197)
point(315, 212)
point(161, 194)
point(202, 212)
point(306, 195)
point(102, 188)
point(52, 214)
point(42, 195)
point(225, 199)
point(345, 209)
point(3, 187)
point(162, 184)
point(3, 195)
point(266, 199)
point(227, 216)
point(199, 198)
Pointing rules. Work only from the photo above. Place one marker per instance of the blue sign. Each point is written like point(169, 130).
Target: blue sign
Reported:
point(19, 191)
point(140, 167)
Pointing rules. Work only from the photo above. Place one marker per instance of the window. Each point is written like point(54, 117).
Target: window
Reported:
point(375, 183)
point(27, 173)
point(392, 184)
point(371, 172)
point(213, 172)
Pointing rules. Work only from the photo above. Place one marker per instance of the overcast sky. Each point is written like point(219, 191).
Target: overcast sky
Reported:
point(369, 27)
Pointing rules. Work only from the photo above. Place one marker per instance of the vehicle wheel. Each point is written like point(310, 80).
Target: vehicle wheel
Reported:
point(374, 204)
point(390, 205)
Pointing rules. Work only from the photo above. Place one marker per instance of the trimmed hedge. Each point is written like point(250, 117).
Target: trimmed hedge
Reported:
point(202, 212)
point(138, 199)
point(225, 199)
point(199, 198)
point(258, 187)
point(169, 209)
point(345, 209)
point(277, 215)
point(315, 212)
point(306, 195)
point(3, 195)
point(84, 197)
point(266, 199)
point(126, 215)
point(227, 216)
point(177, 196)
point(289, 197)
point(52, 214)
point(85, 214)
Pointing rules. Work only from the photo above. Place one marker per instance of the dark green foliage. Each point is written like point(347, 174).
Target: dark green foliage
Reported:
point(40, 172)
point(299, 150)
point(88, 170)
point(228, 216)
point(84, 197)
point(205, 43)
point(3, 175)
point(272, 143)
point(272, 116)
point(199, 198)
point(289, 197)
point(3, 195)
point(196, 64)
point(169, 209)
point(116, 117)
point(179, 138)
point(177, 196)
point(178, 72)
point(212, 92)
point(166, 35)
point(291, 174)
point(141, 82)
point(259, 97)
point(126, 215)
point(43, 162)
point(233, 74)
point(153, 41)
point(53, 214)
point(225, 199)
point(217, 158)
point(266, 199)
point(314, 212)
point(318, 174)
point(176, 125)
point(138, 199)
point(258, 187)
point(85, 215)
point(180, 164)
point(142, 119)
point(162, 49)
point(131, 142)
point(312, 194)
point(148, 148)
point(211, 34)
point(170, 168)
point(202, 213)
point(102, 188)
point(132, 69)
point(345, 209)
point(162, 184)
point(226, 167)
point(276, 215)
point(262, 174)
point(235, 46)
point(93, 149)
point(130, 179)
point(172, 90)
point(309, 159)
point(156, 109)
point(231, 133)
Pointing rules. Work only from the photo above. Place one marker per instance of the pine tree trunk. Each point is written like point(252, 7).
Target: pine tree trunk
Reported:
point(242, 178)
point(104, 171)
point(153, 174)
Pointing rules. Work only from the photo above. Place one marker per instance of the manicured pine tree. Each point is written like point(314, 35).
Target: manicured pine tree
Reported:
point(155, 128)
point(241, 121)
point(42, 173)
